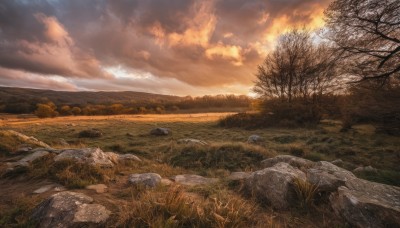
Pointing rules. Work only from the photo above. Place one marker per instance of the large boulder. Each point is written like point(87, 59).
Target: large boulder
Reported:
point(27, 160)
point(275, 184)
point(159, 131)
point(192, 180)
point(70, 209)
point(367, 204)
point(292, 160)
point(328, 177)
point(145, 179)
point(92, 156)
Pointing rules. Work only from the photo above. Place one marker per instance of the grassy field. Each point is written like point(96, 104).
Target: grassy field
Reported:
point(227, 151)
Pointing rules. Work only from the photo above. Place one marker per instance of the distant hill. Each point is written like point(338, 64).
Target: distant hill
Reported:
point(7, 94)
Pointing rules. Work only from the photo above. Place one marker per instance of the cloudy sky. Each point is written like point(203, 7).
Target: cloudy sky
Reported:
point(180, 47)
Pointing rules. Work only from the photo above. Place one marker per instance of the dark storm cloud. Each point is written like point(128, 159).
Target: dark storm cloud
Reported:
point(205, 43)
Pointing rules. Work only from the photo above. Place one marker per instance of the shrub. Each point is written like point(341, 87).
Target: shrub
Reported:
point(90, 133)
point(237, 156)
point(46, 110)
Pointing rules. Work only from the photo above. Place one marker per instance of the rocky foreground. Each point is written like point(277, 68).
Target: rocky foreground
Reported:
point(279, 183)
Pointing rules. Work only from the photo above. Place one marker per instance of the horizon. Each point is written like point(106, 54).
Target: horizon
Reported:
point(181, 48)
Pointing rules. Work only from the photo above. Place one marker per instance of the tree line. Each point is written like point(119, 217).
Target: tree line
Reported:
point(45, 107)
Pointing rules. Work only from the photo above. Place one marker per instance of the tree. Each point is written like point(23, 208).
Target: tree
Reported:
point(46, 110)
point(296, 69)
point(76, 111)
point(65, 110)
point(367, 33)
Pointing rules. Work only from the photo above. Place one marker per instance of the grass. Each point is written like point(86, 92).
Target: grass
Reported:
point(18, 214)
point(306, 192)
point(172, 207)
point(232, 157)
point(217, 205)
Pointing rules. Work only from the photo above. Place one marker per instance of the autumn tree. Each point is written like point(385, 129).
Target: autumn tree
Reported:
point(296, 69)
point(46, 110)
point(367, 34)
point(76, 111)
point(65, 110)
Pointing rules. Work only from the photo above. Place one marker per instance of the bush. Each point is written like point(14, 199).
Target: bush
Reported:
point(226, 156)
point(90, 133)
point(46, 110)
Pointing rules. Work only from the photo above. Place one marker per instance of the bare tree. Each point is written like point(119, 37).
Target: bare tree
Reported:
point(297, 69)
point(367, 32)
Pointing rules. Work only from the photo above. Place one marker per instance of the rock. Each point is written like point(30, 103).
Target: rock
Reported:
point(70, 209)
point(99, 188)
point(160, 131)
point(166, 182)
point(90, 133)
point(275, 184)
point(292, 160)
point(254, 139)
point(23, 149)
point(192, 180)
point(338, 162)
point(192, 142)
point(129, 157)
point(92, 156)
point(62, 142)
point(60, 189)
point(239, 176)
point(367, 204)
point(116, 158)
point(26, 161)
point(145, 179)
point(43, 189)
point(365, 169)
point(27, 140)
point(328, 177)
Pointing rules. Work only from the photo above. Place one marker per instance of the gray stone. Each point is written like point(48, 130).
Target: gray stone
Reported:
point(145, 179)
point(327, 176)
point(275, 184)
point(239, 175)
point(27, 160)
point(367, 204)
point(365, 169)
point(70, 209)
point(254, 139)
point(129, 157)
point(192, 180)
point(192, 142)
point(92, 156)
point(292, 160)
point(44, 189)
point(160, 131)
point(28, 139)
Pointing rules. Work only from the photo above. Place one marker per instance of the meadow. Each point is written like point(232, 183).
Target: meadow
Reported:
point(227, 151)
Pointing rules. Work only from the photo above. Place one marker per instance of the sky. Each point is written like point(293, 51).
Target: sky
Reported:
point(176, 47)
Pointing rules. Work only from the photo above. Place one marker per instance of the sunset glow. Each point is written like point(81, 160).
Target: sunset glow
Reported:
point(173, 47)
